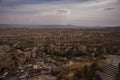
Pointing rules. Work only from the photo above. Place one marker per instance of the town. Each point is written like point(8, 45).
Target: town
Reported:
point(59, 53)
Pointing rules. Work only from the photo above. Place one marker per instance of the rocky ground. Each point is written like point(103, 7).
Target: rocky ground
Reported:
point(42, 54)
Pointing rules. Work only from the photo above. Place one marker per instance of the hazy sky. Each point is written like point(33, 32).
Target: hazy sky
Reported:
point(75, 12)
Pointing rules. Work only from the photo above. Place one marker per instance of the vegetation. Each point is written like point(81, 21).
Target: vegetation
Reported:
point(81, 71)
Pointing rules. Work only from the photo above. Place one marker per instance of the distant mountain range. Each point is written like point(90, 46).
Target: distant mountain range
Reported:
point(49, 26)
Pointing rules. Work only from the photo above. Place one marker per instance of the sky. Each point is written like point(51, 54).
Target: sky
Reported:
point(61, 12)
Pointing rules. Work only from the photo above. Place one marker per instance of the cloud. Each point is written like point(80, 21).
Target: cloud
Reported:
point(63, 12)
point(110, 8)
point(80, 12)
point(12, 3)
point(55, 12)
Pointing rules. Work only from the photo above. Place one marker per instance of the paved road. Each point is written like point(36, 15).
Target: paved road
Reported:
point(105, 76)
point(110, 72)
